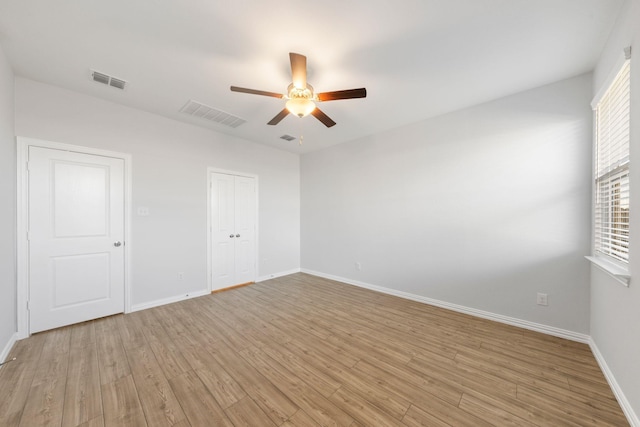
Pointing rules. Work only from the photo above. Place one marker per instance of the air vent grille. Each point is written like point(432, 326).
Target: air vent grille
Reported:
point(206, 112)
point(117, 83)
point(108, 80)
point(288, 137)
point(100, 78)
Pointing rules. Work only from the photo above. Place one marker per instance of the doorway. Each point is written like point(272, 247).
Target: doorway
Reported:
point(73, 234)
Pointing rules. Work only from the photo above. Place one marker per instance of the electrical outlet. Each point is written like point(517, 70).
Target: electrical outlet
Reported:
point(542, 299)
point(180, 275)
point(358, 266)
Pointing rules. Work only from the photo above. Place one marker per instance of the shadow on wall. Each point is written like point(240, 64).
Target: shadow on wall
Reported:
point(484, 207)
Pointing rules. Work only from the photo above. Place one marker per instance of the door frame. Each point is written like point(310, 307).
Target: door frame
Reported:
point(22, 222)
point(210, 171)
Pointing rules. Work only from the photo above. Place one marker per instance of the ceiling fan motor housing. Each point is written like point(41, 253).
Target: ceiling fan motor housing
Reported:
point(305, 93)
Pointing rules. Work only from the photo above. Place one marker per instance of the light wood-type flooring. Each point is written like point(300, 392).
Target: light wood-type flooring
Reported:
point(302, 351)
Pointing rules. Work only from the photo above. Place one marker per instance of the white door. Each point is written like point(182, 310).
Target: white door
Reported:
point(233, 223)
point(76, 231)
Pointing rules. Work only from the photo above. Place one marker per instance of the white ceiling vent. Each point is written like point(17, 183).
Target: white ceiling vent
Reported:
point(106, 79)
point(288, 137)
point(198, 109)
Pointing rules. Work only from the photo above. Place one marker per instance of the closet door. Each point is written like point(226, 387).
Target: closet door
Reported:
point(233, 211)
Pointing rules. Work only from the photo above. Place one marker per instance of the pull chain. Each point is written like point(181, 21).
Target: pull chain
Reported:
point(301, 135)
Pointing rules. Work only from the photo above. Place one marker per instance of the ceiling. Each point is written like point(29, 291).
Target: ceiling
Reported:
point(417, 58)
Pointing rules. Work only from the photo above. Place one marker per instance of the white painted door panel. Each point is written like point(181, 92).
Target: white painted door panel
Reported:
point(245, 225)
point(76, 214)
point(233, 211)
point(222, 210)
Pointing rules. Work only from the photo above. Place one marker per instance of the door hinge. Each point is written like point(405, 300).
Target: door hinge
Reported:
point(28, 235)
point(28, 305)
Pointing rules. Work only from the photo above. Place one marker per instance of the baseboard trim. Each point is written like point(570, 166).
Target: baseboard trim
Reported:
point(632, 417)
point(276, 275)
point(7, 348)
point(157, 303)
point(164, 301)
point(532, 326)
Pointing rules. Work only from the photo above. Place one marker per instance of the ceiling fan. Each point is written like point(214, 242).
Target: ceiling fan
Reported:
point(300, 96)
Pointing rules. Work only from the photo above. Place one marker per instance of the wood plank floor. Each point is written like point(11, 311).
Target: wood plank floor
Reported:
point(302, 351)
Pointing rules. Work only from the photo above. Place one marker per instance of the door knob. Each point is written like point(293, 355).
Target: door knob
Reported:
point(231, 235)
point(117, 244)
point(237, 235)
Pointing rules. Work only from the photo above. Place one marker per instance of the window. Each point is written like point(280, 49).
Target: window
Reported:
point(611, 233)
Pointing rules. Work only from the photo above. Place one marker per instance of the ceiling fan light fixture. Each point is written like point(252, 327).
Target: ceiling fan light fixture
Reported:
point(301, 107)
point(301, 97)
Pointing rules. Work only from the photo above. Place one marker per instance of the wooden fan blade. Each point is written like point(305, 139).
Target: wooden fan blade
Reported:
point(256, 92)
point(326, 120)
point(298, 70)
point(278, 118)
point(342, 94)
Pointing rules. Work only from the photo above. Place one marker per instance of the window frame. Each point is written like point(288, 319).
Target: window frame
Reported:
point(610, 240)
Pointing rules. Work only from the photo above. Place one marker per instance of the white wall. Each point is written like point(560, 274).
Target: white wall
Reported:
point(170, 161)
point(615, 309)
point(7, 206)
point(482, 207)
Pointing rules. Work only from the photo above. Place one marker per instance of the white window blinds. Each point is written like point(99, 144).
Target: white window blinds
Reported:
point(612, 169)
